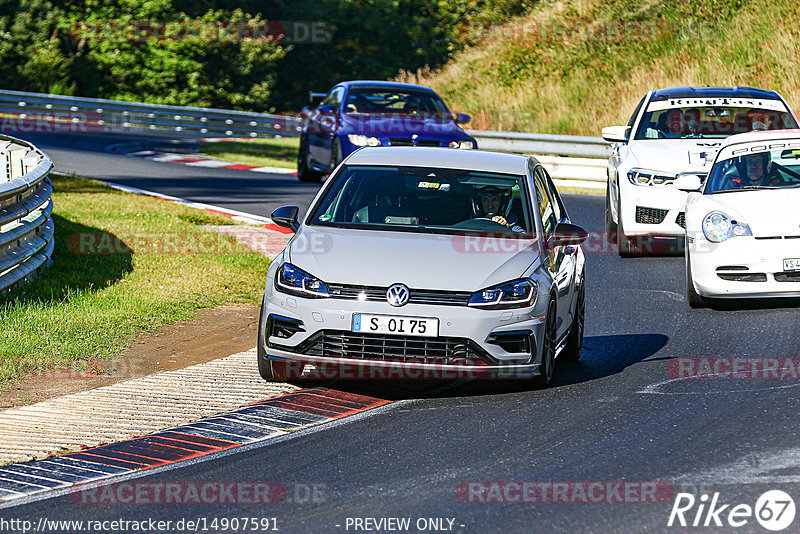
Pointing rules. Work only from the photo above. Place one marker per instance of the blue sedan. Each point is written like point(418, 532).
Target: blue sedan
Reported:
point(360, 114)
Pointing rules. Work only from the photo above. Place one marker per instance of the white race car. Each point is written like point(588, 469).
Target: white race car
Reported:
point(743, 228)
point(672, 132)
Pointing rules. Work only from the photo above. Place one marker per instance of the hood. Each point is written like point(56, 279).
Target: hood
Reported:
point(393, 125)
point(673, 156)
point(420, 261)
point(768, 212)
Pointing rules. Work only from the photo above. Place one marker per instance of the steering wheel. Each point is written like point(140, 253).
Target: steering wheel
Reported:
point(480, 223)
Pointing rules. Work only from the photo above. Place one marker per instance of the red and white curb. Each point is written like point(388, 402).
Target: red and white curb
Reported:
point(258, 422)
point(202, 160)
point(240, 216)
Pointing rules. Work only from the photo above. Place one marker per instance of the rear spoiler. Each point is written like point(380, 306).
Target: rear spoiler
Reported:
point(312, 95)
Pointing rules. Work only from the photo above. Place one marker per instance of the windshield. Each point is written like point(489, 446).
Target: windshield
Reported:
point(429, 200)
point(771, 169)
point(402, 102)
point(665, 121)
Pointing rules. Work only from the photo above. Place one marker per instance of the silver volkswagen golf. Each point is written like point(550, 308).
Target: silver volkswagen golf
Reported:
point(426, 263)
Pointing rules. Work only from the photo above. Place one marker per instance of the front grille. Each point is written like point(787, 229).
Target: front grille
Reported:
point(743, 277)
point(401, 141)
point(650, 215)
point(417, 296)
point(681, 220)
point(404, 349)
point(789, 276)
point(407, 141)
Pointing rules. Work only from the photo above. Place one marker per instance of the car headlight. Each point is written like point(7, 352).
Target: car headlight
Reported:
point(514, 294)
point(718, 227)
point(465, 145)
point(363, 140)
point(644, 177)
point(296, 281)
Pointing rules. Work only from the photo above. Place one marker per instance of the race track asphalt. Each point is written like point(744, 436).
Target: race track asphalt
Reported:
point(617, 415)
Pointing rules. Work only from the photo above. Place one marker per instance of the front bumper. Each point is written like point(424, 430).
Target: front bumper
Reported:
point(656, 211)
point(744, 267)
point(407, 139)
point(466, 347)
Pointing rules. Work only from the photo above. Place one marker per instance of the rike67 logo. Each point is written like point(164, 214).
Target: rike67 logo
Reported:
point(774, 510)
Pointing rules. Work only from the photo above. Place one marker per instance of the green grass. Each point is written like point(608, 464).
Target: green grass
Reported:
point(275, 152)
point(574, 67)
point(123, 264)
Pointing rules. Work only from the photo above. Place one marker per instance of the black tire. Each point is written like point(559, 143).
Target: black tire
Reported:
point(611, 226)
point(625, 247)
point(304, 172)
point(336, 153)
point(547, 368)
point(572, 350)
point(694, 299)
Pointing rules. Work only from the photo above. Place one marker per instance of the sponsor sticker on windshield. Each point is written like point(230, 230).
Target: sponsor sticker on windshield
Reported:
point(434, 185)
point(760, 103)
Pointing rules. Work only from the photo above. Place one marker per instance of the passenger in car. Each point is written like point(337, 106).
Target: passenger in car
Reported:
point(691, 121)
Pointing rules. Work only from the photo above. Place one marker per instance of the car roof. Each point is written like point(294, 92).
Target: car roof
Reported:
point(762, 135)
point(449, 158)
point(713, 92)
point(388, 85)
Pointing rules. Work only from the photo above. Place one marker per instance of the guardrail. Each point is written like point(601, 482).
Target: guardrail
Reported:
point(532, 143)
point(582, 158)
point(26, 225)
point(48, 111)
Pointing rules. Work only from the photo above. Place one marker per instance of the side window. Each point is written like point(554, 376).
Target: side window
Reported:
point(633, 117)
point(558, 206)
point(334, 98)
point(547, 208)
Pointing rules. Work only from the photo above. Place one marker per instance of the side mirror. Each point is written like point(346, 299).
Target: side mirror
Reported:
point(615, 134)
point(567, 234)
point(286, 216)
point(462, 118)
point(325, 110)
point(688, 182)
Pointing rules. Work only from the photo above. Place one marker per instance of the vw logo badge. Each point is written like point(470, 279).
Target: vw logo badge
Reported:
point(397, 295)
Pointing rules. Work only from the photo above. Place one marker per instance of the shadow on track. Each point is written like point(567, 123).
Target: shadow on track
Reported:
point(601, 356)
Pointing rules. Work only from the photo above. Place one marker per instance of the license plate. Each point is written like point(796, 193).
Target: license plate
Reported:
point(395, 324)
point(791, 264)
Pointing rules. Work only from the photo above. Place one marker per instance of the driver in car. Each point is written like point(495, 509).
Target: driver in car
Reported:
point(494, 203)
point(759, 171)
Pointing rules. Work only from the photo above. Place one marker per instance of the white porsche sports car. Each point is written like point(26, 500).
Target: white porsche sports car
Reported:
point(673, 132)
point(743, 229)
